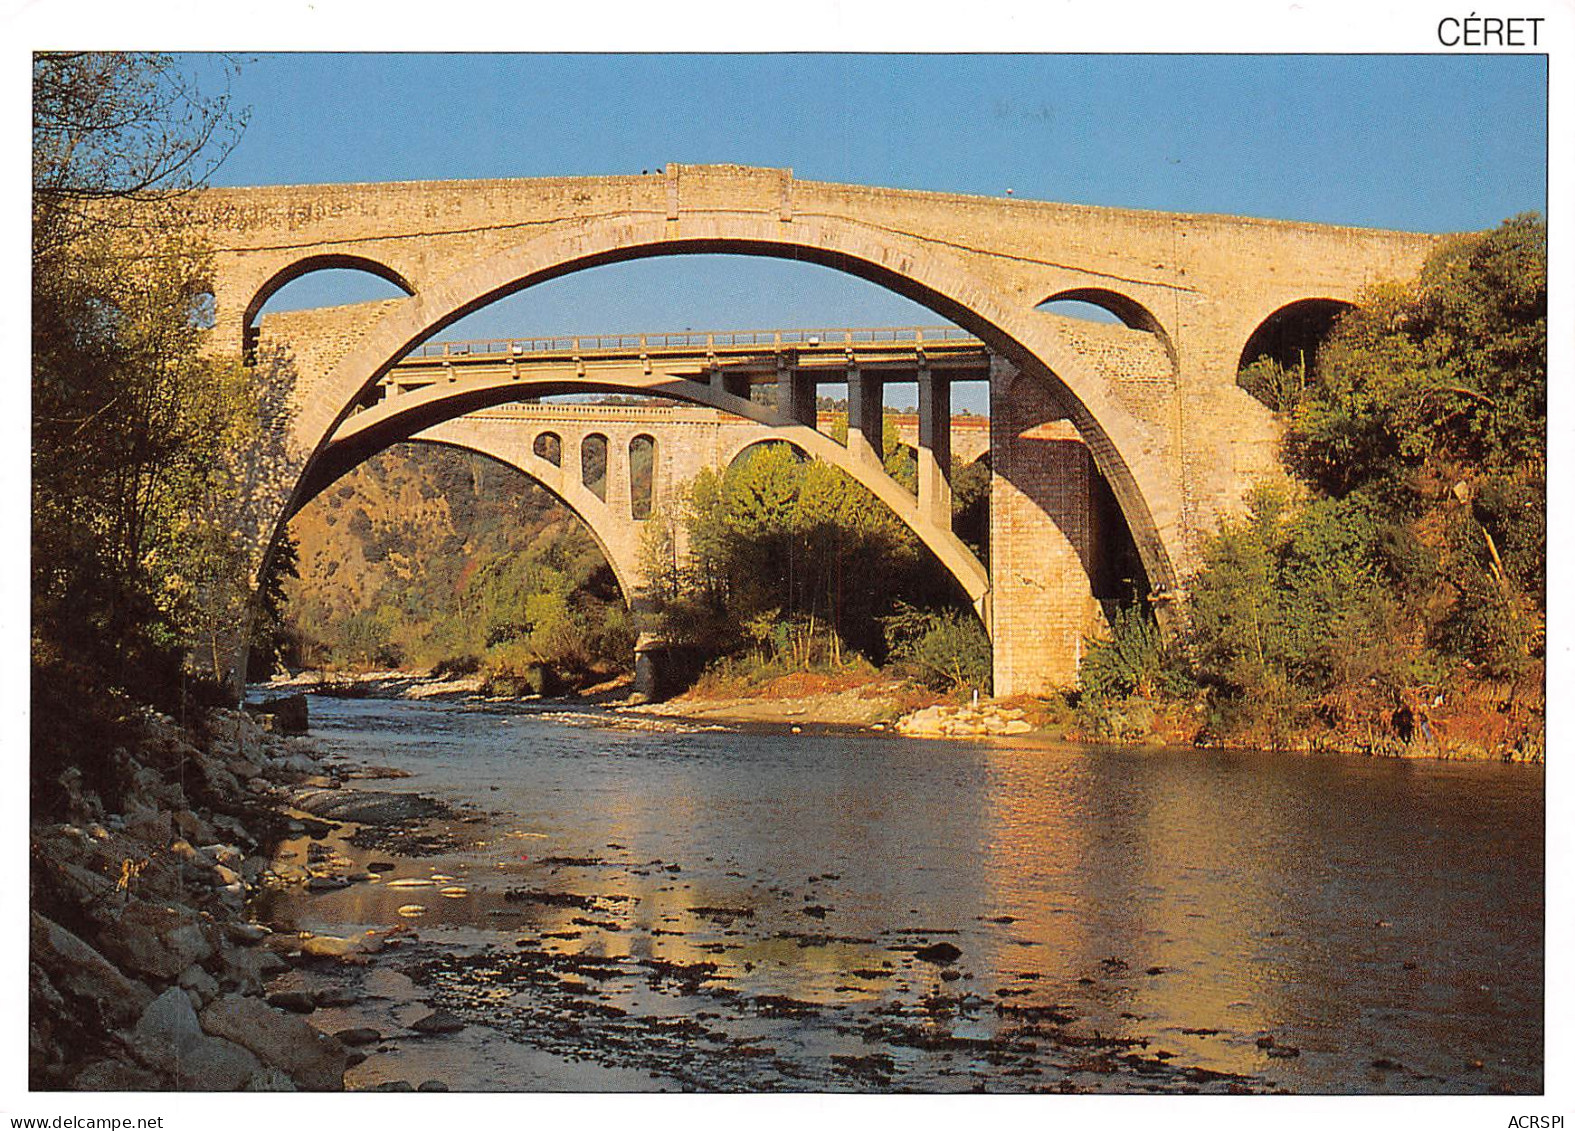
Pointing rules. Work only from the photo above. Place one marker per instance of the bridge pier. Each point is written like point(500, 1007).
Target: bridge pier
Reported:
point(796, 395)
point(732, 383)
point(1044, 538)
point(866, 416)
point(935, 448)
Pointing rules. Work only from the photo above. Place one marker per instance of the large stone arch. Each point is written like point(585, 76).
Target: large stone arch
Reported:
point(583, 504)
point(1135, 456)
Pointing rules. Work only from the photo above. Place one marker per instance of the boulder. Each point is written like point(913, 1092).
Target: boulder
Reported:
point(331, 946)
point(295, 1001)
point(78, 970)
point(357, 1037)
point(941, 953)
point(169, 1038)
point(248, 969)
point(159, 940)
point(438, 1021)
point(367, 807)
point(314, 1060)
point(286, 714)
point(115, 1076)
point(200, 982)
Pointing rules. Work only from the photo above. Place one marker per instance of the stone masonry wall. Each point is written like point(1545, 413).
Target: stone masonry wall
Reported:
point(1043, 538)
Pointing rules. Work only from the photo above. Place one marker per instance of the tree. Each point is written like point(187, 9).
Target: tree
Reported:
point(133, 560)
point(1410, 551)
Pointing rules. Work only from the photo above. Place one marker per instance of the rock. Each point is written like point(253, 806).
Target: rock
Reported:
point(392, 1086)
point(296, 1001)
point(330, 946)
point(286, 714)
point(368, 807)
point(431, 1086)
point(169, 1038)
point(326, 883)
point(225, 854)
point(438, 1021)
point(358, 1037)
point(160, 940)
point(314, 1060)
point(247, 933)
point(331, 996)
point(193, 827)
point(249, 969)
point(199, 981)
point(941, 953)
point(270, 1079)
point(76, 969)
point(115, 1076)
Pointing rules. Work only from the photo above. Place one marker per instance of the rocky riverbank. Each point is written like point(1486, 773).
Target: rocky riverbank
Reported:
point(146, 969)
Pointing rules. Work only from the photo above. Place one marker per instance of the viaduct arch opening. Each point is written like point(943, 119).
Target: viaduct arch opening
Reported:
point(964, 302)
point(608, 578)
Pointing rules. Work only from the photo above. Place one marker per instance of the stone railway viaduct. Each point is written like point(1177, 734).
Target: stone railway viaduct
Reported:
point(1150, 406)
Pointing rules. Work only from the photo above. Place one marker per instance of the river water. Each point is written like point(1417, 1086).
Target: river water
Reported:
point(697, 908)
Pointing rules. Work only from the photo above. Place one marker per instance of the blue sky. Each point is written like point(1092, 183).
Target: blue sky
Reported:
point(1428, 143)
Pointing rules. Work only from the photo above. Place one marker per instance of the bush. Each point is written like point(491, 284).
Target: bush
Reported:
point(1132, 660)
point(944, 650)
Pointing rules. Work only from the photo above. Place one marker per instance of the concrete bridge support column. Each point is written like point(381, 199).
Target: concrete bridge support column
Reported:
point(935, 448)
point(1042, 538)
point(734, 384)
point(796, 396)
point(866, 442)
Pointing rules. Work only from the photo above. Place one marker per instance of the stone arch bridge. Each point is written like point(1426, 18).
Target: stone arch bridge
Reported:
point(1152, 402)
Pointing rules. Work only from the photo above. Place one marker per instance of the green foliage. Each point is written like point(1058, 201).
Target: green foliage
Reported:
point(944, 649)
point(778, 557)
point(137, 565)
point(459, 559)
point(1132, 660)
point(1280, 387)
point(1414, 555)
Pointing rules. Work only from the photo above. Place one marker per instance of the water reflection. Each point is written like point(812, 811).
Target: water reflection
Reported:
point(1295, 920)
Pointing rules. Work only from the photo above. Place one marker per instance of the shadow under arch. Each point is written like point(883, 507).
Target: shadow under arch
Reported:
point(1041, 435)
point(1292, 333)
point(923, 272)
point(619, 570)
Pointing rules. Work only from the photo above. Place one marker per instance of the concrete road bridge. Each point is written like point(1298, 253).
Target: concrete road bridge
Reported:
point(584, 453)
point(1146, 411)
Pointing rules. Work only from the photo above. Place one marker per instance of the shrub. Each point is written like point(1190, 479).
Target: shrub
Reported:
point(1132, 660)
point(944, 650)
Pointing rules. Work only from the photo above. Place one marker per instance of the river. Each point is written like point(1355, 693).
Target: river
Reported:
point(635, 908)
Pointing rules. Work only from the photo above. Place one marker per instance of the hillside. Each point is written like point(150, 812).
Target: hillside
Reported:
point(425, 555)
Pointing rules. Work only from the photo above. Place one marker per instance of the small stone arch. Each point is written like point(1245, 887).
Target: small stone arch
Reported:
point(1129, 311)
point(642, 476)
point(300, 269)
point(1293, 331)
point(548, 446)
point(595, 455)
